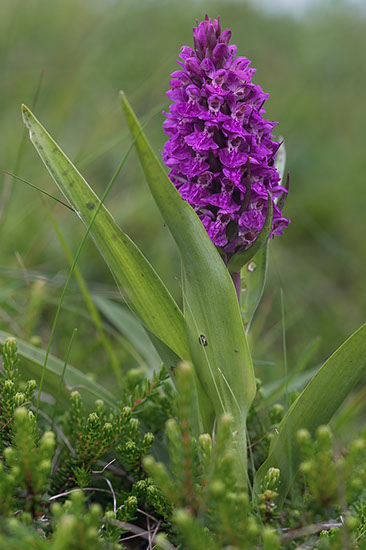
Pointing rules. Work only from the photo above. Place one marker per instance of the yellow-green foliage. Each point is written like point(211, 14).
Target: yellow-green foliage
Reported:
point(85, 485)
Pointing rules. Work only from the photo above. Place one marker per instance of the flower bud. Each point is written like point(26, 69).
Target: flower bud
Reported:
point(19, 399)
point(93, 421)
point(48, 440)
point(271, 479)
point(205, 442)
point(75, 397)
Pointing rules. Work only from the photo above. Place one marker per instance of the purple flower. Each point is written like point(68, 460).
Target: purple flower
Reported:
point(221, 149)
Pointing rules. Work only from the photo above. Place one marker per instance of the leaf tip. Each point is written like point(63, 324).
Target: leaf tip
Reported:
point(123, 97)
point(26, 113)
point(25, 110)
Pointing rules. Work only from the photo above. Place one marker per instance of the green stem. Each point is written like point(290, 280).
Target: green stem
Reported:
point(62, 376)
point(94, 313)
point(241, 448)
point(237, 283)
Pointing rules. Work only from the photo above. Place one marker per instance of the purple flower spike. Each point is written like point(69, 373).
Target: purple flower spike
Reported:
point(221, 150)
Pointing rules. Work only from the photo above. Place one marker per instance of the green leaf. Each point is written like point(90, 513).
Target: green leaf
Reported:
point(253, 278)
point(280, 161)
point(239, 260)
point(314, 407)
point(153, 350)
point(142, 288)
point(214, 327)
point(33, 364)
point(346, 421)
point(127, 325)
point(273, 392)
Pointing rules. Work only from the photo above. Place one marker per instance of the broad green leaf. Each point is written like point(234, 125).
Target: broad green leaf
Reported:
point(33, 364)
point(314, 407)
point(153, 350)
point(239, 260)
point(214, 327)
point(253, 278)
point(144, 291)
point(127, 325)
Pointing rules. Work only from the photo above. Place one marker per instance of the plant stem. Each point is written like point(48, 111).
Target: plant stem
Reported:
point(237, 283)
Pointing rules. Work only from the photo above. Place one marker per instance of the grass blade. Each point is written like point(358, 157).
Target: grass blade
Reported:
point(253, 277)
point(94, 314)
point(33, 362)
point(38, 189)
point(274, 390)
point(315, 406)
point(127, 325)
point(144, 291)
point(62, 377)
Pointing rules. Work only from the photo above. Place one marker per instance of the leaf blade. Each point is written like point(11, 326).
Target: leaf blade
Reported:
point(127, 325)
point(315, 406)
point(73, 377)
point(224, 367)
point(143, 289)
point(253, 277)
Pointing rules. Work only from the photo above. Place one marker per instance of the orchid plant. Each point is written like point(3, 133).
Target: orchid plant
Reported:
point(222, 202)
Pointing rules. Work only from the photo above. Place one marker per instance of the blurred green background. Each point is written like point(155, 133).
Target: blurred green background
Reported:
point(84, 52)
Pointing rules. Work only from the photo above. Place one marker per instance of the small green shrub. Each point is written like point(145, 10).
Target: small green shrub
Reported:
point(92, 480)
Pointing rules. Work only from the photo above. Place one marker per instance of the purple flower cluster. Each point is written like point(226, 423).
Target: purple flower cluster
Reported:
point(221, 150)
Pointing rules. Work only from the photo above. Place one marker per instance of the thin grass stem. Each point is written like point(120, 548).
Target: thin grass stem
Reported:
point(81, 246)
point(94, 313)
point(63, 375)
point(7, 188)
point(286, 393)
point(39, 189)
